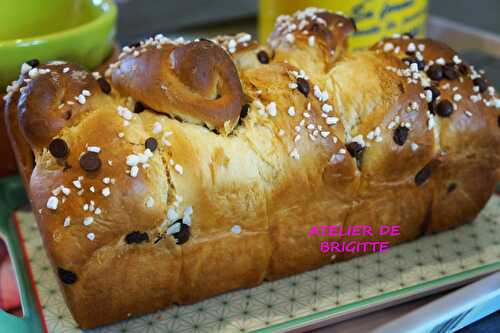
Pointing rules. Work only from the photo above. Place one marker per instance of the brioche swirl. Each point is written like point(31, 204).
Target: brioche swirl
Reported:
point(196, 82)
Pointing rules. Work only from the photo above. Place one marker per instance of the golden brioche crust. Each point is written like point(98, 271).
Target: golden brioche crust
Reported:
point(196, 82)
point(141, 206)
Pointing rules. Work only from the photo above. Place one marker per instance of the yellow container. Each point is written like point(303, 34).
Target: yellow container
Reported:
point(375, 19)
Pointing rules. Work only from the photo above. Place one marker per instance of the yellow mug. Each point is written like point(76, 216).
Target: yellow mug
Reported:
point(374, 19)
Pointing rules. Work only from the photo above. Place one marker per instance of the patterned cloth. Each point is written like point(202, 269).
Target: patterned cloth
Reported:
point(9, 296)
point(461, 253)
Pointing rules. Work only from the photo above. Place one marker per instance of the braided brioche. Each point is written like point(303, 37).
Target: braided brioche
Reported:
point(194, 168)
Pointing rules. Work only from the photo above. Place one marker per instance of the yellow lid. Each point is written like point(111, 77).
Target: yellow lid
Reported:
point(375, 19)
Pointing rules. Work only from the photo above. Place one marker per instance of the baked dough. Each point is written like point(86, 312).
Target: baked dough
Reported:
point(189, 169)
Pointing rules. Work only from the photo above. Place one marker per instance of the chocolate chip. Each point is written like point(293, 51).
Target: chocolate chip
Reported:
point(444, 108)
point(90, 161)
point(134, 45)
point(450, 73)
point(420, 65)
point(400, 135)
point(435, 92)
point(151, 144)
point(303, 86)
point(498, 121)
point(67, 277)
point(139, 107)
point(183, 235)
point(136, 237)
point(105, 87)
point(315, 27)
point(463, 69)
point(435, 72)
point(432, 107)
point(412, 60)
point(353, 22)
point(244, 110)
point(58, 148)
point(481, 84)
point(356, 150)
point(423, 174)
point(263, 57)
point(33, 63)
point(452, 187)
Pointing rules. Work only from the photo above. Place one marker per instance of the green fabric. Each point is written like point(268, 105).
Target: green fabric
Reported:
point(12, 195)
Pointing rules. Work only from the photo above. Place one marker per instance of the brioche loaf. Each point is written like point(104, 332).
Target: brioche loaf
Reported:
point(193, 168)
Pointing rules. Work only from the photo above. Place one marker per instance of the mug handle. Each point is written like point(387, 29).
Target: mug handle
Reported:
point(12, 195)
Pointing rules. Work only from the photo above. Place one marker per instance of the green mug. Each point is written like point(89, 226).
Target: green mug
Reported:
point(80, 31)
